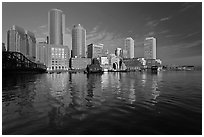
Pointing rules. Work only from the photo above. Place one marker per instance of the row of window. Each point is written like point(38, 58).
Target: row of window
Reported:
point(59, 56)
point(57, 50)
point(58, 67)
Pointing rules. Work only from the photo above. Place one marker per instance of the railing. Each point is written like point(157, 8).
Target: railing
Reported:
point(16, 61)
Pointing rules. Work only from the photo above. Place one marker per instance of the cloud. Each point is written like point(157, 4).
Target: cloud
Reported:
point(150, 34)
point(165, 19)
point(186, 6)
point(41, 31)
point(191, 34)
point(155, 22)
point(95, 37)
point(110, 40)
point(94, 30)
point(192, 44)
point(164, 31)
point(173, 35)
point(179, 50)
point(152, 23)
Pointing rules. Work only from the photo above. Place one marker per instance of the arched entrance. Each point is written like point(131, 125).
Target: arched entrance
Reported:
point(115, 65)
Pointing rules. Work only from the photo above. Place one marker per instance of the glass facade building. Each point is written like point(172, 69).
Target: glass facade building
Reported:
point(150, 48)
point(21, 40)
point(129, 47)
point(56, 26)
point(79, 49)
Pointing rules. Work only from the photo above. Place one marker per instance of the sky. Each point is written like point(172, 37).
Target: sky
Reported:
point(177, 26)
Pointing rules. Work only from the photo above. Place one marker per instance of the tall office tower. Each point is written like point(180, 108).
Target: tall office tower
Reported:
point(30, 44)
point(150, 48)
point(20, 40)
point(56, 26)
point(129, 46)
point(79, 42)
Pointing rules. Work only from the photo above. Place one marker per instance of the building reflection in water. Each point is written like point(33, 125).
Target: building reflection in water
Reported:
point(144, 79)
point(132, 96)
point(156, 79)
point(18, 101)
point(105, 80)
point(94, 90)
point(59, 88)
point(73, 95)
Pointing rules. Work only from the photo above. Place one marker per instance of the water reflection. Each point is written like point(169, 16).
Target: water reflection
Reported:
point(132, 96)
point(18, 99)
point(65, 101)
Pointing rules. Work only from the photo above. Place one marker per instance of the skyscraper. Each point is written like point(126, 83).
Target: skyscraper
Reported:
point(21, 40)
point(79, 42)
point(129, 46)
point(56, 26)
point(150, 48)
point(57, 52)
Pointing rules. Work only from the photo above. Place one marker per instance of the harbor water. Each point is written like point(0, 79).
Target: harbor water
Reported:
point(135, 103)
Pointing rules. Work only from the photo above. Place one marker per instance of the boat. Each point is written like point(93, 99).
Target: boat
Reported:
point(154, 69)
point(94, 68)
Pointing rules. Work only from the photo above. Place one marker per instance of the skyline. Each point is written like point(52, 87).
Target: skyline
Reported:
point(176, 26)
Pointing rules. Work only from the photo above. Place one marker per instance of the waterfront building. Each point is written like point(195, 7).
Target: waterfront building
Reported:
point(153, 62)
point(55, 57)
point(150, 48)
point(56, 26)
point(79, 63)
point(42, 53)
point(95, 51)
point(58, 54)
point(58, 57)
point(134, 63)
point(129, 46)
point(79, 42)
point(21, 40)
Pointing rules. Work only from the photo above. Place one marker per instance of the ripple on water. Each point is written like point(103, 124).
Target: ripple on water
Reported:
point(112, 103)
